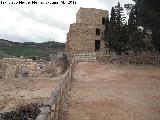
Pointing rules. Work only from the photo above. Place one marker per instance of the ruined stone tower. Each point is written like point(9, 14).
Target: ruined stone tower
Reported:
point(86, 35)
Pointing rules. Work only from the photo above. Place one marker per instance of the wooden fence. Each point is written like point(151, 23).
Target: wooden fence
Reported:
point(54, 107)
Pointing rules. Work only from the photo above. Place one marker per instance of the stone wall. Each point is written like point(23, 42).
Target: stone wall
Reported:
point(19, 68)
point(2, 69)
point(85, 57)
point(58, 64)
point(81, 38)
point(91, 15)
point(82, 35)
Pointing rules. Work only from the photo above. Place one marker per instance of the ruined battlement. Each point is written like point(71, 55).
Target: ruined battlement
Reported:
point(91, 16)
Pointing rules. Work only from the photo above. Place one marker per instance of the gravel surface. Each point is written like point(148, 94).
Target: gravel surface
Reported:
point(114, 92)
point(15, 92)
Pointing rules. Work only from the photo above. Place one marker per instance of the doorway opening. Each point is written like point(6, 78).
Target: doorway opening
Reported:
point(97, 45)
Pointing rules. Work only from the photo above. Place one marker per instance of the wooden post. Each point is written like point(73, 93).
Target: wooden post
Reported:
point(60, 103)
point(57, 99)
point(49, 116)
point(54, 111)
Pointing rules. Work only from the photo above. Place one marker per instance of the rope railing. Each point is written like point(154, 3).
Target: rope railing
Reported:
point(54, 107)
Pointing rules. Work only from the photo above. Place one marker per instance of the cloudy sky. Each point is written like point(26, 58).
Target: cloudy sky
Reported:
point(39, 23)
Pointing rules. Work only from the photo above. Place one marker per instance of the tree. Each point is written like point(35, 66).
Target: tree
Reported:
point(132, 21)
point(111, 30)
point(115, 32)
point(148, 15)
point(120, 17)
point(135, 42)
point(123, 39)
point(113, 17)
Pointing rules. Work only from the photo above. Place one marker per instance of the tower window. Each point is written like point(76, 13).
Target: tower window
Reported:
point(98, 31)
point(103, 20)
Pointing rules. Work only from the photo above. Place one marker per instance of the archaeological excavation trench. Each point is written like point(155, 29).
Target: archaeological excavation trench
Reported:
point(100, 92)
point(22, 95)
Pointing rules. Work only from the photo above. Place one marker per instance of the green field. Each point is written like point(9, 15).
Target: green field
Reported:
point(3, 54)
point(29, 49)
point(24, 52)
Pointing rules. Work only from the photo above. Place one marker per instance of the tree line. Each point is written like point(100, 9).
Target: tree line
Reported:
point(124, 35)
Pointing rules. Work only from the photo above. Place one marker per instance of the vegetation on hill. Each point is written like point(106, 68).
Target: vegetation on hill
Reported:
point(29, 49)
point(3, 54)
point(24, 52)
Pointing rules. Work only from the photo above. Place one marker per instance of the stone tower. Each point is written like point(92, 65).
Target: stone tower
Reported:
point(86, 35)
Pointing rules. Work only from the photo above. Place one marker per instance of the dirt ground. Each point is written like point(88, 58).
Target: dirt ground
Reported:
point(17, 92)
point(114, 92)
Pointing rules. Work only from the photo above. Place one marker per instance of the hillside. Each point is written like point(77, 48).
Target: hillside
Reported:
point(2, 54)
point(29, 48)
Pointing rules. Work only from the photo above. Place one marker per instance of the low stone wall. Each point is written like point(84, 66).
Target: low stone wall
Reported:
point(85, 57)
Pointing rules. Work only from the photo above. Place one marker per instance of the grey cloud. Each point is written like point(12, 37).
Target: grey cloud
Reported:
point(21, 38)
point(15, 36)
point(43, 19)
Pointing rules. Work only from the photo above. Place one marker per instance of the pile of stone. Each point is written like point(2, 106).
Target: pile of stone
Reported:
point(21, 68)
point(18, 68)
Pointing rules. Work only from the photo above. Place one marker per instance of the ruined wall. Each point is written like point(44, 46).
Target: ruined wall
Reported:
point(82, 35)
point(2, 69)
point(81, 38)
point(19, 68)
point(91, 15)
point(57, 65)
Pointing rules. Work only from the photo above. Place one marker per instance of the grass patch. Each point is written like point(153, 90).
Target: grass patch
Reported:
point(25, 52)
point(3, 54)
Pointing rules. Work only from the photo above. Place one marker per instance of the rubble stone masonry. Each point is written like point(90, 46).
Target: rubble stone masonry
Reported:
point(21, 68)
point(88, 29)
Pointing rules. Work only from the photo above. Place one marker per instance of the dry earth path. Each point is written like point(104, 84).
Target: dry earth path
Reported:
point(114, 92)
point(17, 92)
